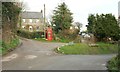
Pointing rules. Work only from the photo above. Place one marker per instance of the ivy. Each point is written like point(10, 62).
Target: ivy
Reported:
point(10, 13)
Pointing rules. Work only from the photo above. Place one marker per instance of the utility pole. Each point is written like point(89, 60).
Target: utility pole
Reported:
point(44, 23)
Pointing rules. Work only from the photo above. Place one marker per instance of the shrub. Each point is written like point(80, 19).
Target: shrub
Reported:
point(29, 35)
point(68, 34)
point(113, 65)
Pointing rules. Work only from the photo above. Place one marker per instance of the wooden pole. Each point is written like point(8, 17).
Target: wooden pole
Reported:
point(44, 23)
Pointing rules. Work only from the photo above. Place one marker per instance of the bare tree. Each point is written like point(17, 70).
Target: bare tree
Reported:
point(78, 24)
point(24, 6)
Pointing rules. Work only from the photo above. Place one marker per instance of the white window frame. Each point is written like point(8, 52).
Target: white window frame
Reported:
point(30, 20)
point(37, 20)
point(23, 20)
point(23, 27)
point(71, 27)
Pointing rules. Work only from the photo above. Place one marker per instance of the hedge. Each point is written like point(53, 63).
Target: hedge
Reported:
point(30, 35)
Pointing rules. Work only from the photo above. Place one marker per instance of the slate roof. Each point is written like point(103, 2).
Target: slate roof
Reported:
point(32, 15)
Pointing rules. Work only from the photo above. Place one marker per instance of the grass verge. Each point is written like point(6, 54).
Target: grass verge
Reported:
point(5, 48)
point(0, 47)
point(61, 40)
point(81, 48)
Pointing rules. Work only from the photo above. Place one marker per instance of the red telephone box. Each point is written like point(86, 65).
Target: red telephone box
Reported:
point(49, 33)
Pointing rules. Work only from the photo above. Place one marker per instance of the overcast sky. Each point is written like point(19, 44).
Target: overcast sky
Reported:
point(80, 8)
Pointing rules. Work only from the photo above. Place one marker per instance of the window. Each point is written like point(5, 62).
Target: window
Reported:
point(23, 27)
point(33, 21)
point(30, 20)
point(30, 28)
point(37, 20)
point(71, 27)
point(23, 20)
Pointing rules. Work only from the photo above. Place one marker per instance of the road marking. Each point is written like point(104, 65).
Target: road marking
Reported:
point(30, 56)
point(9, 58)
point(103, 64)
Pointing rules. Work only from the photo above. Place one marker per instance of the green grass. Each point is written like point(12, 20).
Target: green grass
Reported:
point(80, 48)
point(5, 48)
point(62, 40)
point(0, 47)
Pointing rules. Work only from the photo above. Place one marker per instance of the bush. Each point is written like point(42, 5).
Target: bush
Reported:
point(113, 65)
point(68, 34)
point(29, 35)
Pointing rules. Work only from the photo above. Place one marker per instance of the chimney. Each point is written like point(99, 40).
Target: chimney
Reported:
point(41, 11)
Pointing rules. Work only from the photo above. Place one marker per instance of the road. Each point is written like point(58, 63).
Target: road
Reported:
point(35, 55)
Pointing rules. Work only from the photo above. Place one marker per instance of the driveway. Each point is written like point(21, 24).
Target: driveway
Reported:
point(35, 55)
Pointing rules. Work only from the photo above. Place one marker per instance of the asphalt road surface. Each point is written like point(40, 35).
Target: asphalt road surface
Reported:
point(35, 55)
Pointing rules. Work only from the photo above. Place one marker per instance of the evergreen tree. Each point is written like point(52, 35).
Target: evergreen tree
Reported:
point(103, 26)
point(62, 18)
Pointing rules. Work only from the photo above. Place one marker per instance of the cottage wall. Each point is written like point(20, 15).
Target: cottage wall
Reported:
point(37, 24)
point(32, 21)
